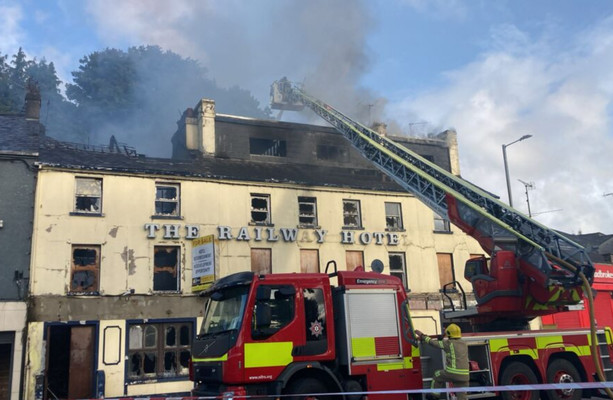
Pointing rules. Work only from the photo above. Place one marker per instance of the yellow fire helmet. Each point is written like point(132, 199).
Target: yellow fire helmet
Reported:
point(453, 331)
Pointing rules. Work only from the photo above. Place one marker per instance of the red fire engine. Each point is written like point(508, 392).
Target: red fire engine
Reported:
point(301, 334)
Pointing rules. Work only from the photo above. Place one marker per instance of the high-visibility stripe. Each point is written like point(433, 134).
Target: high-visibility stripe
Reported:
point(543, 342)
point(222, 358)
point(274, 354)
point(497, 345)
point(390, 366)
point(363, 347)
point(457, 371)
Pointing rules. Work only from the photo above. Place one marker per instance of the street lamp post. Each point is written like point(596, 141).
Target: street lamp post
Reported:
point(506, 166)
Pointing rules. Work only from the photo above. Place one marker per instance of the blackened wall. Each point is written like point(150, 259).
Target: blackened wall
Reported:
point(17, 179)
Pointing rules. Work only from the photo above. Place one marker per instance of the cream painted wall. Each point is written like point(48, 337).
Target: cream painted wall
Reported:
point(127, 253)
point(13, 319)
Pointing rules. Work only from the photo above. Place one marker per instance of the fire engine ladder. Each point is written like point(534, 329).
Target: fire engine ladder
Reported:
point(431, 184)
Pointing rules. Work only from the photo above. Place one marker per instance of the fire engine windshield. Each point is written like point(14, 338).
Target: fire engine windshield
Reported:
point(224, 310)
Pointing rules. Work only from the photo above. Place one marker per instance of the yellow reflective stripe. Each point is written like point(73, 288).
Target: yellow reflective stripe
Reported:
point(543, 342)
point(389, 366)
point(363, 347)
point(222, 358)
point(457, 370)
point(497, 345)
point(268, 354)
point(408, 362)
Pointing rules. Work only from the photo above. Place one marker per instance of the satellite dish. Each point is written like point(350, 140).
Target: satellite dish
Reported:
point(376, 265)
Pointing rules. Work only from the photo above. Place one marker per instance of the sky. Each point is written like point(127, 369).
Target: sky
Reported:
point(493, 70)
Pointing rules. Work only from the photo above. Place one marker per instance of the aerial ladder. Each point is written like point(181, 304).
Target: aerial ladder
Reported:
point(532, 271)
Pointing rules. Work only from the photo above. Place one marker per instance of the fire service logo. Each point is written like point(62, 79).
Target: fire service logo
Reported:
point(316, 329)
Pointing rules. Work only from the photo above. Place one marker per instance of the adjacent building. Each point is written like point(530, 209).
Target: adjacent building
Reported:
point(20, 135)
point(122, 243)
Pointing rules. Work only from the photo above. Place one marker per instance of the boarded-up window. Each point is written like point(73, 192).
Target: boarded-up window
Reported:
point(260, 208)
point(398, 267)
point(445, 268)
point(85, 272)
point(88, 195)
point(354, 259)
point(159, 350)
point(307, 211)
point(309, 261)
point(166, 268)
point(167, 199)
point(351, 214)
point(393, 216)
point(261, 261)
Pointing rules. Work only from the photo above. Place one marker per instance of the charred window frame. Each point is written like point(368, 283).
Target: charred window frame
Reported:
point(398, 268)
point(327, 152)
point(441, 225)
point(85, 270)
point(267, 147)
point(158, 350)
point(352, 217)
point(167, 200)
point(307, 211)
point(260, 209)
point(88, 196)
point(393, 217)
point(166, 272)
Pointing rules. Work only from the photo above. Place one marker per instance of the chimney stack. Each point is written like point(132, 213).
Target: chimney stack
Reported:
point(32, 106)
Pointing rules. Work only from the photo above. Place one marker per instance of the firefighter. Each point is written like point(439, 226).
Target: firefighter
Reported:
point(456, 360)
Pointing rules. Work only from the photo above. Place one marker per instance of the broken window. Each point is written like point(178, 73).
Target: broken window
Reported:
point(159, 350)
point(166, 268)
point(267, 147)
point(393, 216)
point(398, 267)
point(307, 211)
point(167, 200)
point(85, 272)
point(441, 224)
point(351, 214)
point(332, 153)
point(260, 209)
point(88, 196)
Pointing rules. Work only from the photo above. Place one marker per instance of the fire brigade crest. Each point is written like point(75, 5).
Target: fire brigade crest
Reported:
point(316, 328)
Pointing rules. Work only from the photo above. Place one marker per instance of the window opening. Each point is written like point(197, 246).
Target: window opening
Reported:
point(167, 200)
point(351, 214)
point(155, 352)
point(441, 224)
point(88, 196)
point(260, 209)
point(398, 268)
point(274, 309)
point(393, 216)
point(267, 147)
point(166, 268)
point(84, 277)
point(307, 211)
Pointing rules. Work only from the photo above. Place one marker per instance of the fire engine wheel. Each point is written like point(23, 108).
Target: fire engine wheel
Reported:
point(518, 373)
point(306, 386)
point(562, 371)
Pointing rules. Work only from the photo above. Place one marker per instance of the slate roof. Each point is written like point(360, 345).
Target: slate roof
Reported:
point(19, 135)
point(58, 154)
point(598, 245)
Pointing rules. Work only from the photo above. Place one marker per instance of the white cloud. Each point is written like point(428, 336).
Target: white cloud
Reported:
point(562, 97)
point(10, 29)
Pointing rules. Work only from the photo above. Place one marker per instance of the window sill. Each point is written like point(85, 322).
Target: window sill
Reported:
point(85, 214)
point(444, 232)
point(354, 228)
point(395, 230)
point(145, 381)
point(177, 217)
point(268, 224)
point(167, 291)
point(308, 226)
point(84, 294)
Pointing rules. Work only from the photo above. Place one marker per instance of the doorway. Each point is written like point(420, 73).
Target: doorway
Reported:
point(70, 362)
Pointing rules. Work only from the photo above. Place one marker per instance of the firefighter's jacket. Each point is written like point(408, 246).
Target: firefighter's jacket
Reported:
point(456, 355)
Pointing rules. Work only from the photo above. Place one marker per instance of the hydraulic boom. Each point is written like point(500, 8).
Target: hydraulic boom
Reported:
point(533, 270)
